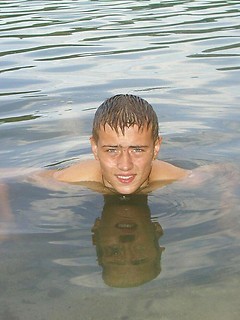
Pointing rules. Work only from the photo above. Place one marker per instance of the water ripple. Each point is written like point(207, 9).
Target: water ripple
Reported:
point(104, 21)
point(63, 58)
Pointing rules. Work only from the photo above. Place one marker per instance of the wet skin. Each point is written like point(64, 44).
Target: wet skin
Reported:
point(125, 159)
point(125, 163)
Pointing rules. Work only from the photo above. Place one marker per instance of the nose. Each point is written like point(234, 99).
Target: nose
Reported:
point(127, 238)
point(125, 162)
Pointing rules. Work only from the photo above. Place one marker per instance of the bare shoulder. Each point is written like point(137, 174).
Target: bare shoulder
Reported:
point(83, 171)
point(162, 170)
point(88, 170)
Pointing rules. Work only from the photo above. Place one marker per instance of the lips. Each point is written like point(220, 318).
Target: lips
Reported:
point(126, 179)
point(126, 227)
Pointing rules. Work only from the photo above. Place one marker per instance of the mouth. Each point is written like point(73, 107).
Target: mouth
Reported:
point(126, 179)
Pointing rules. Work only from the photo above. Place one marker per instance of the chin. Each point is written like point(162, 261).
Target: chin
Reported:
point(126, 191)
point(122, 189)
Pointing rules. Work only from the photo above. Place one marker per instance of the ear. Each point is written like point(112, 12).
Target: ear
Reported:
point(94, 147)
point(158, 229)
point(157, 146)
point(94, 230)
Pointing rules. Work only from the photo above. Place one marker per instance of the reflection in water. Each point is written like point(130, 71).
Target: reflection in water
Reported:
point(126, 242)
point(59, 60)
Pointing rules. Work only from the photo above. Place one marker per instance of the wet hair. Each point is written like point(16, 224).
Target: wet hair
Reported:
point(123, 111)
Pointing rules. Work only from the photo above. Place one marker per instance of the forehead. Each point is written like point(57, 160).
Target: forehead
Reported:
point(131, 136)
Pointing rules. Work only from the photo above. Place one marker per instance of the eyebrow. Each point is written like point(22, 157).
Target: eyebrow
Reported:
point(134, 262)
point(119, 146)
point(139, 261)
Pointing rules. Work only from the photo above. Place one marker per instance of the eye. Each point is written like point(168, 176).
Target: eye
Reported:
point(111, 150)
point(112, 251)
point(138, 150)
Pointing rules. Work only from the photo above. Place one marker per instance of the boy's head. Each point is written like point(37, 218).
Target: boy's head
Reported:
point(123, 111)
point(125, 141)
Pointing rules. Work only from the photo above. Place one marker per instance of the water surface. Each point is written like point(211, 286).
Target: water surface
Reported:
point(58, 62)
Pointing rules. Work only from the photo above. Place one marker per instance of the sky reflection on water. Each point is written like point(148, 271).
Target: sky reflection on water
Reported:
point(58, 62)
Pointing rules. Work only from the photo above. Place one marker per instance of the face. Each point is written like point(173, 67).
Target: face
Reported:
point(127, 236)
point(127, 244)
point(125, 159)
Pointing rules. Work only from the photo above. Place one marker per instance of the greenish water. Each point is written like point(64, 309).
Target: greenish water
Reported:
point(58, 62)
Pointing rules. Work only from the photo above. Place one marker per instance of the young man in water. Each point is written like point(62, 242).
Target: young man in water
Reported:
point(125, 143)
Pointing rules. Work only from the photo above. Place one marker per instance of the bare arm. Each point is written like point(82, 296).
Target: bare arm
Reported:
point(5, 210)
point(6, 215)
point(227, 171)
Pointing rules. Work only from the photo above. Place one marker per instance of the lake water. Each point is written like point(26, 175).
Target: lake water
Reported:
point(61, 257)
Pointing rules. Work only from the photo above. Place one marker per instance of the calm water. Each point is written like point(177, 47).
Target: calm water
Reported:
point(58, 61)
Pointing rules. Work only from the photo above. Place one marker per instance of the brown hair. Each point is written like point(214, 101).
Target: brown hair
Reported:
point(123, 111)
